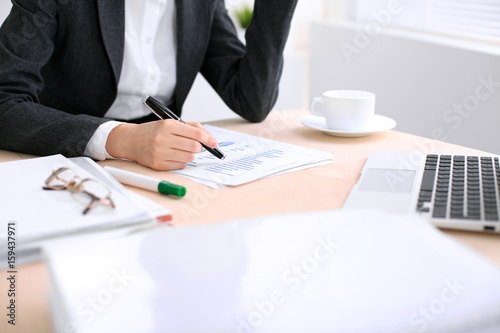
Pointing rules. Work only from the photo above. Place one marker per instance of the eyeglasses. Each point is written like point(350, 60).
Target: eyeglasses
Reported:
point(90, 192)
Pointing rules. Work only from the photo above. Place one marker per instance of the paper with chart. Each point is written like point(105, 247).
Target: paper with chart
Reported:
point(249, 158)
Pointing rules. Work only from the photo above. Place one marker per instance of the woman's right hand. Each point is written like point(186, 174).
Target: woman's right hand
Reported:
point(160, 145)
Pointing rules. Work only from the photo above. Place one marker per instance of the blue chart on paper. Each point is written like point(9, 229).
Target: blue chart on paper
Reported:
point(245, 164)
point(209, 157)
point(234, 167)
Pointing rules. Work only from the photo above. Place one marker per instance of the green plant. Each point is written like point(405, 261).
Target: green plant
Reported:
point(244, 15)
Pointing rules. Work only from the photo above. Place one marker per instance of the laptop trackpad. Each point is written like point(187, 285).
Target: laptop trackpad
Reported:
point(388, 180)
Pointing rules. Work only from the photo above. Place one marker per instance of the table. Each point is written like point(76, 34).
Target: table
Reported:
point(322, 187)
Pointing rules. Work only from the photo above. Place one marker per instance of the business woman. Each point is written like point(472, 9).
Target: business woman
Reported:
point(73, 74)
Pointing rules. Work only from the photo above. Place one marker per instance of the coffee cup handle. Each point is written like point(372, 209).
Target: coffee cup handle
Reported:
point(317, 107)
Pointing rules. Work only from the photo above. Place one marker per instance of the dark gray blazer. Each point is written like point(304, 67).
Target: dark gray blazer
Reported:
point(60, 63)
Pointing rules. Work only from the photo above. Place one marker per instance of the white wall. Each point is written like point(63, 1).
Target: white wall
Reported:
point(5, 6)
point(432, 87)
point(203, 104)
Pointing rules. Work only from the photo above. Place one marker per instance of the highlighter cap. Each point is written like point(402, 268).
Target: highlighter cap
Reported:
point(169, 188)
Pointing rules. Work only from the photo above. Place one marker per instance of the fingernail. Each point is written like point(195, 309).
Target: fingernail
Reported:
point(215, 144)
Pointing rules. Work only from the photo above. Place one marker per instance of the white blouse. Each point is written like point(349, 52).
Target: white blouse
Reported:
point(149, 66)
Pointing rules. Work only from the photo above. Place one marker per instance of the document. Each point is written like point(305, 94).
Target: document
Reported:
point(249, 158)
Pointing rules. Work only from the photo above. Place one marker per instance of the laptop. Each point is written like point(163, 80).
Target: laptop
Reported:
point(451, 191)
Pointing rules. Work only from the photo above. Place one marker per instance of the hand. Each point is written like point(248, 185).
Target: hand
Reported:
point(160, 145)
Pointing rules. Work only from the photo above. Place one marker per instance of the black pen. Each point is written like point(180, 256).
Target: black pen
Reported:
point(162, 112)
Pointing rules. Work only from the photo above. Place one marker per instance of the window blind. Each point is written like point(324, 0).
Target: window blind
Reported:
point(477, 19)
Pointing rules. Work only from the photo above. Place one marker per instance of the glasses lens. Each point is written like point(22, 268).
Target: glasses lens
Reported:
point(92, 193)
point(61, 178)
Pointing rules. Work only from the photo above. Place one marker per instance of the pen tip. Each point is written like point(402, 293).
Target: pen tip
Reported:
point(144, 99)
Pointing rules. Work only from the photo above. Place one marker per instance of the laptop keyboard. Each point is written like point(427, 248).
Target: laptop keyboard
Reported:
point(460, 187)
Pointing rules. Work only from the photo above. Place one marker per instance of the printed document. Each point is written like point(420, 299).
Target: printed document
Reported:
point(249, 158)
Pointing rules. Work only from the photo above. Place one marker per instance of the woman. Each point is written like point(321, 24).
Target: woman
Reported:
point(70, 68)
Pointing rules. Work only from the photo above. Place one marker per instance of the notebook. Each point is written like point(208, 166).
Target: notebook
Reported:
point(37, 217)
point(450, 191)
point(324, 271)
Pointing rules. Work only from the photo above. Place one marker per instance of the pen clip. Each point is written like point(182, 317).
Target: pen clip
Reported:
point(160, 110)
point(153, 111)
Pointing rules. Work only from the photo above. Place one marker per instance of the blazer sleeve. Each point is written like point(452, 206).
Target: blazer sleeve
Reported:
point(26, 45)
point(247, 78)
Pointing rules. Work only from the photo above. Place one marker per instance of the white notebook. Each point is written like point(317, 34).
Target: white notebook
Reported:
point(326, 271)
point(39, 216)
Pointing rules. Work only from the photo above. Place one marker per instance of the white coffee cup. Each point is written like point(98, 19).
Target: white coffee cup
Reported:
point(345, 110)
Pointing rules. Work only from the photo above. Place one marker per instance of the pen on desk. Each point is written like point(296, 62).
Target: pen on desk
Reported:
point(145, 182)
point(162, 112)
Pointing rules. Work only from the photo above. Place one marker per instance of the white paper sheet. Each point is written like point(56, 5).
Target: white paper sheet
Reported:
point(249, 158)
point(327, 271)
point(41, 214)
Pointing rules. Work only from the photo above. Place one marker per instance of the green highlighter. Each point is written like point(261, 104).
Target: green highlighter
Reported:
point(145, 182)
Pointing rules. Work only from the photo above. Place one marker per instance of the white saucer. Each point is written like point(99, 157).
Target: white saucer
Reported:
point(377, 124)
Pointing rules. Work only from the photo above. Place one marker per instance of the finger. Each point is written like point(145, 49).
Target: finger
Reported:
point(167, 165)
point(169, 159)
point(196, 132)
point(178, 155)
point(200, 126)
point(174, 165)
point(197, 125)
point(185, 144)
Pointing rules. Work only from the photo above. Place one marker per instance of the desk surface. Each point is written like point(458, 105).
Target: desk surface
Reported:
point(322, 187)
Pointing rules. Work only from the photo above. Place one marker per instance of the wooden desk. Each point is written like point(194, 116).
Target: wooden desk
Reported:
point(323, 187)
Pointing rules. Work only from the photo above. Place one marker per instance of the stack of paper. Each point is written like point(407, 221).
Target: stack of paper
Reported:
point(41, 215)
point(328, 271)
point(249, 158)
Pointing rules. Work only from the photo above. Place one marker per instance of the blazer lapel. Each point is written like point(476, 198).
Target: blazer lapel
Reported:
point(193, 33)
point(112, 22)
